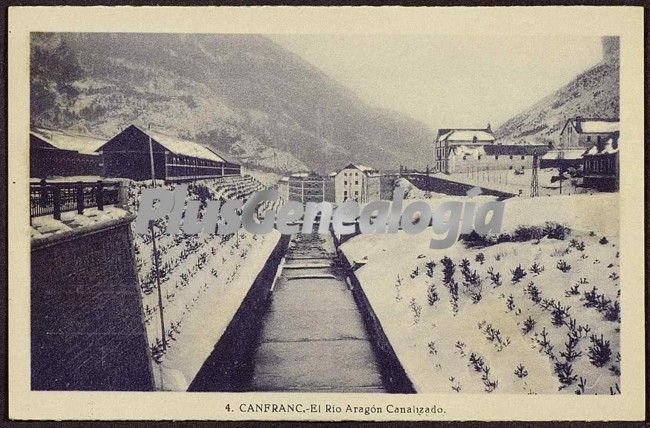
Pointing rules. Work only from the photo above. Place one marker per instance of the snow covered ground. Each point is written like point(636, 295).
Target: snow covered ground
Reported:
point(508, 181)
point(491, 327)
point(204, 279)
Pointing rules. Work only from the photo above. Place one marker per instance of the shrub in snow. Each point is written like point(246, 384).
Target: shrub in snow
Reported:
point(559, 314)
point(476, 361)
point(521, 371)
point(432, 294)
point(578, 245)
point(563, 266)
point(590, 298)
point(453, 295)
point(432, 348)
point(490, 385)
point(398, 285)
point(599, 352)
point(510, 302)
point(480, 258)
point(430, 267)
point(616, 368)
point(613, 312)
point(455, 385)
point(461, 348)
point(603, 241)
point(527, 233)
point(518, 274)
point(416, 309)
point(449, 268)
point(556, 231)
point(415, 272)
point(582, 384)
point(529, 324)
point(544, 344)
point(564, 371)
point(464, 267)
point(534, 293)
point(571, 353)
point(494, 277)
point(536, 269)
point(613, 390)
point(572, 291)
point(613, 276)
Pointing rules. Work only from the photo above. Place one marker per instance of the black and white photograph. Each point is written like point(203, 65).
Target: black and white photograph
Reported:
point(319, 213)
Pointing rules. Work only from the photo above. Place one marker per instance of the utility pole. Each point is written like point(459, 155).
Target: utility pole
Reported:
point(534, 185)
point(155, 249)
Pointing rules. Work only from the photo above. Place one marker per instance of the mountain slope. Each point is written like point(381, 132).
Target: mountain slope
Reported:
point(242, 94)
point(594, 93)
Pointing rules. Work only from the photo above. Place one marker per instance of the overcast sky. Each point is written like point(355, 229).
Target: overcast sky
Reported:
point(449, 81)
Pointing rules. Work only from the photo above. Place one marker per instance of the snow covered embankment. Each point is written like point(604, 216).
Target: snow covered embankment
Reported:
point(516, 317)
point(204, 279)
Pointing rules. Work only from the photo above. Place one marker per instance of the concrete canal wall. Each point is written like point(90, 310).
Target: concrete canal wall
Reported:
point(393, 374)
point(224, 368)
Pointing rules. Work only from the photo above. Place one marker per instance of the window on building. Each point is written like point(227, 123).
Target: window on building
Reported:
point(523, 157)
point(356, 182)
point(496, 157)
point(345, 182)
point(510, 167)
point(479, 157)
point(356, 193)
point(510, 156)
point(345, 193)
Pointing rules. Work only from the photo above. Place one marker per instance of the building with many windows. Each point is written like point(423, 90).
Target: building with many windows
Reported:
point(127, 155)
point(449, 138)
point(62, 154)
point(581, 132)
point(601, 165)
point(356, 183)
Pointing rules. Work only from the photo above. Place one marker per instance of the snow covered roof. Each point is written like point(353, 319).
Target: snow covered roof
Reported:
point(184, 147)
point(363, 168)
point(609, 147)
point(478, 135)
point(69, 141)
point(593, 125)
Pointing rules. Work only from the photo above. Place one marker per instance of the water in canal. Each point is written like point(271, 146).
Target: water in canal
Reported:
point(313, 337)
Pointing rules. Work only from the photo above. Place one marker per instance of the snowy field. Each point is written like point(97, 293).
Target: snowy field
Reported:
point(204, 279)
point(508, 181)
point(525, 316)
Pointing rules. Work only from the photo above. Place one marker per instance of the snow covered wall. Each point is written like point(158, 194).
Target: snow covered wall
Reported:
point(87, 326)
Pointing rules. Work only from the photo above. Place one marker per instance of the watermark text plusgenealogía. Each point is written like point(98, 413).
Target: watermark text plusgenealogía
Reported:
point(447, 221)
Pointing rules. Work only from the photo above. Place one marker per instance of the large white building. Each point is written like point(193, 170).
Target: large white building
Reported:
point(449, 139)
point(356, 183)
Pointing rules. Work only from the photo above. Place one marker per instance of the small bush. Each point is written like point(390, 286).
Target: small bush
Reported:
point(521, 371)
point(534, 293)
point(432, 294)
point(510, 303)
point(518, 274)
point(430, 267)
point(536, 268)
point(603, 241)
point(599, 352)
point(495, 278)
point(480, 258)
point(529, 324)
point(563, 266)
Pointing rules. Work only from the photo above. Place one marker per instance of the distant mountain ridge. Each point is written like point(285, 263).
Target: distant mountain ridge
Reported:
point(242, 94)
point(593, 93)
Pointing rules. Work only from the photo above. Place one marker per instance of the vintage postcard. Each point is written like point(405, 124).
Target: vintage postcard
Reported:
point(304, 213)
